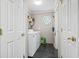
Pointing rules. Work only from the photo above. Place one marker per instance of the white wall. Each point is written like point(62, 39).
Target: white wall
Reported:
point(45, 24)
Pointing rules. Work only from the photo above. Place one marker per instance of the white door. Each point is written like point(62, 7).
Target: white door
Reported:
point(12, 44)
point(7, 27)
point(21, 31)
point(69, 29)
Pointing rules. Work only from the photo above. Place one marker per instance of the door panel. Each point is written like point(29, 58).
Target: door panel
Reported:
point(7, 24)
point(12, 43)
point(69, 29)
point(10, 49)
point(21, 30)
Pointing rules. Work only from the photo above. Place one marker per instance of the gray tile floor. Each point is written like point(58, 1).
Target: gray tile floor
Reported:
point(47, 51)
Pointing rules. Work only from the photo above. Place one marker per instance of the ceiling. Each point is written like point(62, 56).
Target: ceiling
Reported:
point(47, 5)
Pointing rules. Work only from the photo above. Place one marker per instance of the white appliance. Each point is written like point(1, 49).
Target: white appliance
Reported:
point(33, 42)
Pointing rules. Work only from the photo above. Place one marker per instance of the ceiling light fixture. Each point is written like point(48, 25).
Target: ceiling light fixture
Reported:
point(37, 2)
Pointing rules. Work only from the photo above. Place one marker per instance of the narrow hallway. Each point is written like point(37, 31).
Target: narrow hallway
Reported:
point(47, 51)
point(39, 28)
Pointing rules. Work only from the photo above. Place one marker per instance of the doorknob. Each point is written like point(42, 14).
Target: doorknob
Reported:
point(73, 39)
point(22, 34)
point(0, 31)
point(61, 1)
